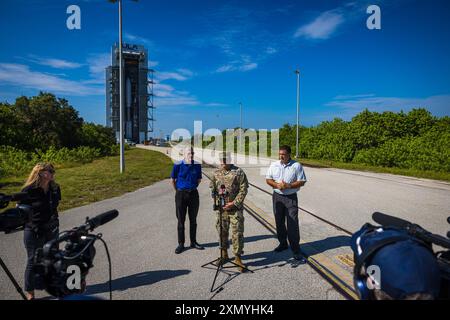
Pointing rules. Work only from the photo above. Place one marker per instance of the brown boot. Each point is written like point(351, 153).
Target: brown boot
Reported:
point(238, 261)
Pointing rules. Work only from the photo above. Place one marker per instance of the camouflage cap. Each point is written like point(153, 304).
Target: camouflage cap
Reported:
point(225, 157)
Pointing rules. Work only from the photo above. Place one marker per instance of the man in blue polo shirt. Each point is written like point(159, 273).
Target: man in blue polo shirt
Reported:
point(186, 176)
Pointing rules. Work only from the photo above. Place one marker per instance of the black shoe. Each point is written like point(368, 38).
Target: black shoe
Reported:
point(281, 247)
point(179, 249)
point(195, 245)
point(299, 257)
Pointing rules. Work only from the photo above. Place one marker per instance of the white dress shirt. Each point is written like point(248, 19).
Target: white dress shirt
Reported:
point(289, 173)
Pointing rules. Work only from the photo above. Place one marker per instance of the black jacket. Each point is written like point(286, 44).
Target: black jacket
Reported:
point(45, 205)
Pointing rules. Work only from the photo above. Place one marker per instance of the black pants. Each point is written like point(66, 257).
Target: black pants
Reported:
point(187, 202)
point(33, 241)
point(286, 208)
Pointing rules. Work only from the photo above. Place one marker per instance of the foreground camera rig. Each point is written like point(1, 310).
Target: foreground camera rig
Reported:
point(59, 272)
point(437, 244)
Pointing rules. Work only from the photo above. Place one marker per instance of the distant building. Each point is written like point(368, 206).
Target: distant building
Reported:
point(138, 93)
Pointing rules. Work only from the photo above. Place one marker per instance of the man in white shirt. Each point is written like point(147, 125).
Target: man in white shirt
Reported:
point(286, 177)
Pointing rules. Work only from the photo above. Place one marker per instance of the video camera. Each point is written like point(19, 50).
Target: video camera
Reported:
point(54, 268)
point(220, 198)
point(59, 272)
point(14, 219)
point(398, 230)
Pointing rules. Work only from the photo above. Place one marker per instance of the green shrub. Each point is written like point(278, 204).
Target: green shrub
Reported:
point(415, 140)
point(14, 161)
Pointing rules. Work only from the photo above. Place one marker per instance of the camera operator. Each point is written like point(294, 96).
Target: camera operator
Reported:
point(390, 264)
point(44, 196)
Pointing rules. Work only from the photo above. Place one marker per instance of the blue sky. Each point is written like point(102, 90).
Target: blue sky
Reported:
point(211, 55)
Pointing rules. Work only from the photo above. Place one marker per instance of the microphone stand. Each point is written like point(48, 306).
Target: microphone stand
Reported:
point(220, 262)
point(11, 277)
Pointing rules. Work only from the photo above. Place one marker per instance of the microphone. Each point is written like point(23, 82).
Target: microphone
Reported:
point(222, 193)
point(102, 218)
point(412, 229)
point(387, 220)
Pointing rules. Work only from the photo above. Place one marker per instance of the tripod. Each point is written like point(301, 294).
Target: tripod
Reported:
point(220, 262)
point(14, 282)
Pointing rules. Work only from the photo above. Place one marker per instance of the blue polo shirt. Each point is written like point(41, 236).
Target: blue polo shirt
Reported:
point(186, 175)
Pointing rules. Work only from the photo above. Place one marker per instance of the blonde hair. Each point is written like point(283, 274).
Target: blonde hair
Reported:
point(35, 178)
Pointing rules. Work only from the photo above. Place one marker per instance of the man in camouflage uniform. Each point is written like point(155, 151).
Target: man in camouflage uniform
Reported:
point(236, 185)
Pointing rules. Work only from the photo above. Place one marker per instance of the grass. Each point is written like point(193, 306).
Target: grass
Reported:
point(101, 179)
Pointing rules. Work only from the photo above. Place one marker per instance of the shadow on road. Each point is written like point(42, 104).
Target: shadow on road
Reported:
point(270, 259)
point(135, 280)
point(246, 240)
point(320, 246)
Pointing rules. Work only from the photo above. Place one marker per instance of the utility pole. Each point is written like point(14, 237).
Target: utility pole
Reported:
point(121, 109)
point(240, 124)
point(298, 102)
point(121, 97)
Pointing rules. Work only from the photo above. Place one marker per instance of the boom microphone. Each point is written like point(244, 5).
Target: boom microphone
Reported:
point(386, 220)
point(102, 219)
point(413, 229)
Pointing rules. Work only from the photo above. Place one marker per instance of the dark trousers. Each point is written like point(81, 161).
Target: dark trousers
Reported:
point(187, 202)
point(286, 208)
point(34, 241)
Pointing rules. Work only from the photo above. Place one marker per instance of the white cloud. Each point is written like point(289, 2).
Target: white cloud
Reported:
point(137, 39)
point(242, 64)
point(352, 104)
point(53, 62)
point(180, 75)
point(225, 68)
point(271, 50)
point(97, 67)
point(167, 96)
point(354, 96)
point(177, 101)
point(215, 104)
point(153, 63)
point(98, 62)
point(21, 75)
point(249, 66)
point(322, 27)
point(161, 76)
point(186, 72)
point(163, 90)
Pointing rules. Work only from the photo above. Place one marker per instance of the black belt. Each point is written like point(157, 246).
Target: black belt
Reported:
point(186, 190)
point(286, 195)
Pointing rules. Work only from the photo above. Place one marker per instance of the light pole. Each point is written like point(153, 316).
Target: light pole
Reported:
point(121, 97)
point(298, 102)
point(240, 125)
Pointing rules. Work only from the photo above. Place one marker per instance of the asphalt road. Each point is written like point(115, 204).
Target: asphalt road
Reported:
point(348, 198)
point(142, 242)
